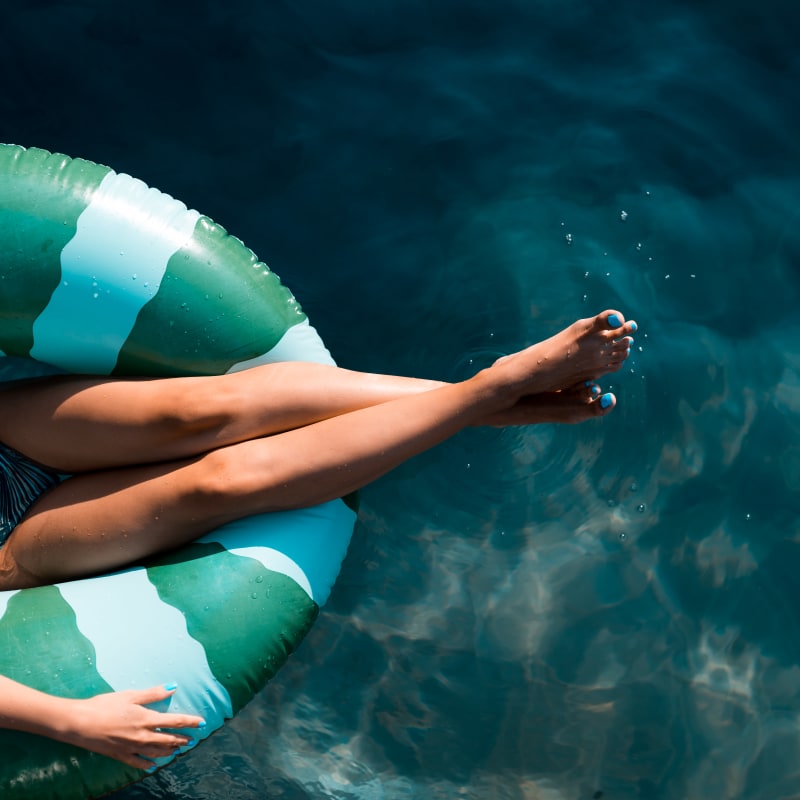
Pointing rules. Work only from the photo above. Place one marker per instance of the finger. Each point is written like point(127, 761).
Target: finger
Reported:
point(135, 760)
point(153, 694)
point(165, 750)
point(165, 721)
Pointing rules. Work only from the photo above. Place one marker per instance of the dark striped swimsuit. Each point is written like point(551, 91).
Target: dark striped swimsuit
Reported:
point(22, 483)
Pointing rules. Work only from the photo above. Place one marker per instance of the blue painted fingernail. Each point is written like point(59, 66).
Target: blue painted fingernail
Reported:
point(152, 769)
point(201, 724)
point(191, 743)
point(170, 687)
point(634, 326)
point(614, 321)
point(606, 400)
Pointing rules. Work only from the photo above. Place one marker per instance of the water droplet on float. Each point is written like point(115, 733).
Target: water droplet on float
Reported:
point(634, 487)
point(641, 508)
point(134, 276)
point(253, 596)
point(95, 295)
point(610, 503)
point(259, 578)
point(623, 536)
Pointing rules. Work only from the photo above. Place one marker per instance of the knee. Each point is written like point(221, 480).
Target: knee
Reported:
point(227, 485)
point(13, 575)
point(202, 407)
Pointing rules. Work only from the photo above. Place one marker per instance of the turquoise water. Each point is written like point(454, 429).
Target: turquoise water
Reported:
point(541, 613)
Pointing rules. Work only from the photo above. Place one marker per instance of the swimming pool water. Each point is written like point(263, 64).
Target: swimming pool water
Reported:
point(543, 613)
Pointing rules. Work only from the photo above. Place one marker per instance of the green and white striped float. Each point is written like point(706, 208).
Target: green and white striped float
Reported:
point(101, 274)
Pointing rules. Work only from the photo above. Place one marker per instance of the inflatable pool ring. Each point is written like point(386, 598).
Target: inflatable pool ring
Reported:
point(101, 274)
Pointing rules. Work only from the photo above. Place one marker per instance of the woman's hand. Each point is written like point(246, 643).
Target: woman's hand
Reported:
point(116, 724)
point(119, 725)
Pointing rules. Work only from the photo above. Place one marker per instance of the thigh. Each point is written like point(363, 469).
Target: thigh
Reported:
point(97, 522)
point(77, 423)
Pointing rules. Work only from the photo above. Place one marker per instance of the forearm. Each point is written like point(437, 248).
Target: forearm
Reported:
point(26, 709)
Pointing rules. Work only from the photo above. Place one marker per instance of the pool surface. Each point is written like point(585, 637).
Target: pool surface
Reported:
point(601, 611)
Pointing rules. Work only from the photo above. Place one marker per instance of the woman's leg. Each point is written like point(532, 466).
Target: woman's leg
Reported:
point(103, 520)
point(79, 424)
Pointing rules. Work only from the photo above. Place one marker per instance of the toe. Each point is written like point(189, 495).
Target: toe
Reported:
point(620, 345)
point(613, 320)
point(604, 404)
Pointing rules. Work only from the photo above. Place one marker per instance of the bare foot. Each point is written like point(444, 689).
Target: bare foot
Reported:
point(584, 351)
point(567, 406)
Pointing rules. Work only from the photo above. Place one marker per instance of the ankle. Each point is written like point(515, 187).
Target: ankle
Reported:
point(491, 394)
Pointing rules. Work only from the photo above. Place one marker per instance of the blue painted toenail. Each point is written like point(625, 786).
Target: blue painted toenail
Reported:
point(587, 383)
point(595, 390)
point(614, 321)
point(606, 400)
point(634, 327)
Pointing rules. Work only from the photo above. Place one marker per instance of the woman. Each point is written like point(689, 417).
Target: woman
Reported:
point(178, 457)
